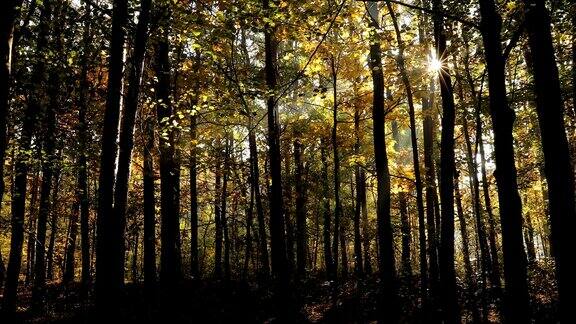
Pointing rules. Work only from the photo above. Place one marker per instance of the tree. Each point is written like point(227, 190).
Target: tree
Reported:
point(415, 155)
point(109, 251)
point(278, 244)
point(558, 166)
point(130, 108)
point(21, 167)
point(516, 300)
point(447, 169)
point(385, 242)
point(170, 270)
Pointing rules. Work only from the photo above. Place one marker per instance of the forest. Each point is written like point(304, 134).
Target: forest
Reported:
point(286, 161)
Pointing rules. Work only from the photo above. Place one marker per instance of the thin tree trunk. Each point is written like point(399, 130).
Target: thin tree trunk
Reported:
point(224, 210)
point(301, 228)
point(53, 224)
point(48, 161)
point(218, 221)
point(255, 182)
point(386, 262)
point(135, 254)
point(194, 265)
point(366, 236)
point(466, 252)
point(529, 238)
point(328, 261)
point(149, 211)
point(358, 262)
point(406, 235)
point(447, 169)
point(31, 241)
point(82, 180)
point(336, 157)
point(415, 156)
point(69, 268)
point(288, 215)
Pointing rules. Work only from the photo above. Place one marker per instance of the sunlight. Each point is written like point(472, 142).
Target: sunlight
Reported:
point(434, 64)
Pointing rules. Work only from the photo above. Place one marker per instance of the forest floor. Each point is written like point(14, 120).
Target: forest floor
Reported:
point(246, 302)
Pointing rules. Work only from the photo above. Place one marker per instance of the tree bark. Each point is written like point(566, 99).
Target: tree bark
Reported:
point(194, 264)
point(18, 207)
point(9, 12)
point(328, 261)
point(218, 220)
point(516, 299)
point(447, 169)
point(129, 110)
point(82, 180)
point(255, 180)
point(110, 243)
point(224, 210)
point(358, 262)
point(386, 262)
point(301, 228)
point(336, 157)
point(415, 155)
point(170, 270)
point(557, 162)
point(53, 223)
point(278, 244)
point(149, 211)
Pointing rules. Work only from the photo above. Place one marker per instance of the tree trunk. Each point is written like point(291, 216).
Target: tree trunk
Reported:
point(486, 264)
point(82, 180)
point(48, 163)
point(53, 224)
point(224, 210)
point(135, 254)
point(516, 299)
point(18, 207)
point(129, 110)
point(301, 228)
point(328, 260)
point(149, 210)
point(358, 262)
point(406, 235)
point(110, 243)
point(194, 265)
point(278, 244)
point(557, 163)
point(529, 238)
point(386, 262)
point(431, 193)
point(463, 232)
point(447, 169)
point(334, 138)
point(466, 252)
point(32, 219)
point(9, 13)
point(288, 218)
point(366, 236)
point(69, 268)
point(218, 220)
point(170, 270)
point(255, 180)
point(415, 156)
